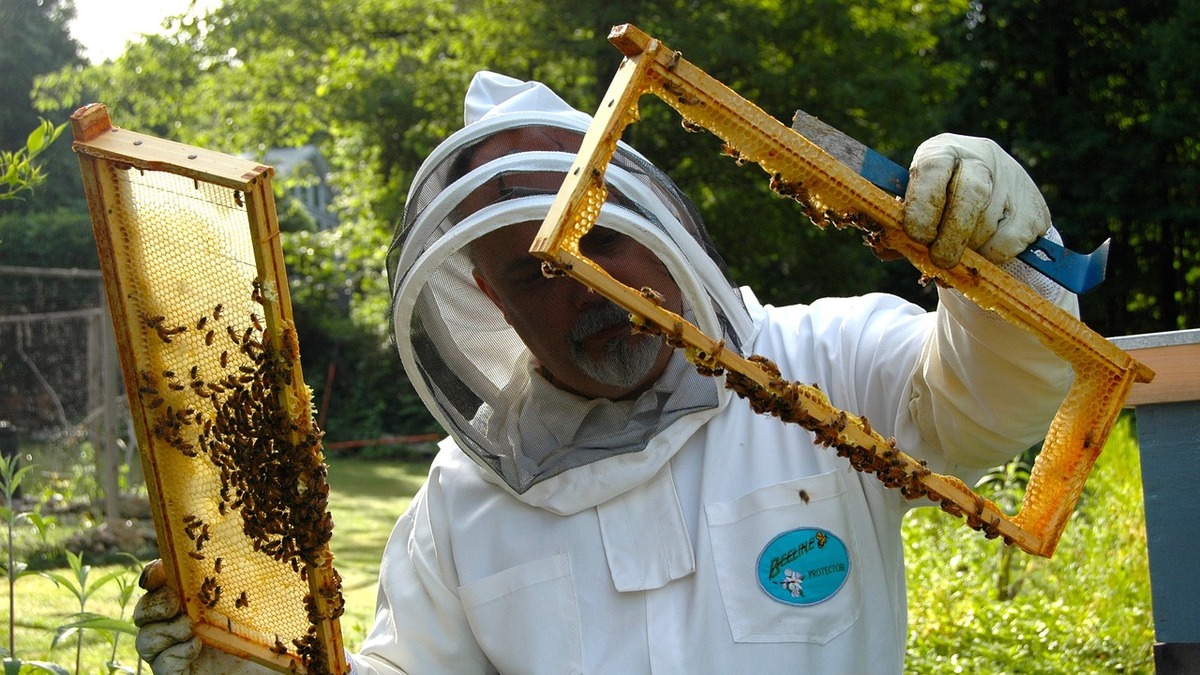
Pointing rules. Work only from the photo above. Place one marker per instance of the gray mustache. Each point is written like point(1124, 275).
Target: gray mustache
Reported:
point(595, 320)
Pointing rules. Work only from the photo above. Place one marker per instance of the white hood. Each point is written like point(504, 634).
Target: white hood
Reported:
point(471, 369)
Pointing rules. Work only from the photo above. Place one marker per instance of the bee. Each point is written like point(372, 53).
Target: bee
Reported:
point(155, 402)
point(279, 647)
point(209, 336)
point(254, 320)
point(652, 295)
point(217, 565)
point(243, 601)
point(200, 322)
point(217, 311)
point(291, 349)
point(195, 370)
point(730, 151)
point(804, 496)
point(237, 198)
point(224, 358)
point(195, 555)
point(866, 426)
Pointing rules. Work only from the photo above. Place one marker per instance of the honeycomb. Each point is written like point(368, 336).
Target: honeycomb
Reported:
point(193, 271)
point(831, 194)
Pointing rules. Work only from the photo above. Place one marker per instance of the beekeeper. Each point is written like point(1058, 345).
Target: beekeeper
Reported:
point(601, 507)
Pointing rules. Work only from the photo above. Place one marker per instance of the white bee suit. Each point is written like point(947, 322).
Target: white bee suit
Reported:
point(694, 536)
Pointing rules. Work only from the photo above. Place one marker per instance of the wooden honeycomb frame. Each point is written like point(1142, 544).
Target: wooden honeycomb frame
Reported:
point(194, 275)
point(833, 194)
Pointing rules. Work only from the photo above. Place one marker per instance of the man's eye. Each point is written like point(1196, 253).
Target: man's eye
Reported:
point(526, 274)
point(599, 241)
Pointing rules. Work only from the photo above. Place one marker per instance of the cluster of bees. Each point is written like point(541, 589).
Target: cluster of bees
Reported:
point(268, 459)
point(822, 218)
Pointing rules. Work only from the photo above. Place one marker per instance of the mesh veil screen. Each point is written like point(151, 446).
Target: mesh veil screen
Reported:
point(194, 274)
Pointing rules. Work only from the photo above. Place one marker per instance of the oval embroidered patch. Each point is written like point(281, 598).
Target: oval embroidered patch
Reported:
point(803, 566)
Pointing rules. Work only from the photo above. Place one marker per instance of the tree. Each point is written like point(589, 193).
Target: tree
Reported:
point(1099, 101)
point(34, 40)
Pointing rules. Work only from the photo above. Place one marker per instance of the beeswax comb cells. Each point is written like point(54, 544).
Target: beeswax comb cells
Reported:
point(831, 193)
point(193, 269)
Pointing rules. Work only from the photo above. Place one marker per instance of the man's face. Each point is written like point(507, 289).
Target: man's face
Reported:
point(582, 342)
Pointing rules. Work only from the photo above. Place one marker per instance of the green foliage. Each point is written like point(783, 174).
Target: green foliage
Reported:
point(11, 476)
point(79, 584)
point(1086, 610)
point(57, 237)
point(18, 170)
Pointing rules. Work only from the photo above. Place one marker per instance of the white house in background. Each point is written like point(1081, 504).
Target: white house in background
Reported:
point(303, 173)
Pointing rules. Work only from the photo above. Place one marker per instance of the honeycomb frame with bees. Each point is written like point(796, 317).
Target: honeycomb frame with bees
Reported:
point(832, 194)
point(195, 280)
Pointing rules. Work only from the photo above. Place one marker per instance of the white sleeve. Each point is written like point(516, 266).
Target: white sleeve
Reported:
point(984, 389)
point(420, 626)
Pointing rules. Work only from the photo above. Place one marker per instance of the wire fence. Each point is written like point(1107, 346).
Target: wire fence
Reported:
point(62, 404)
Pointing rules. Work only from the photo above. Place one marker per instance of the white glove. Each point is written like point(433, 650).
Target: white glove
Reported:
point(165, 639)
point(966, 192)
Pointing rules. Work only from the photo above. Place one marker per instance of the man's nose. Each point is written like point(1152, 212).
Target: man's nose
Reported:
point(578, 295)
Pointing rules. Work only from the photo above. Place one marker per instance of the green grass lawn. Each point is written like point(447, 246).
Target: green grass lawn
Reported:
point(1086, 610)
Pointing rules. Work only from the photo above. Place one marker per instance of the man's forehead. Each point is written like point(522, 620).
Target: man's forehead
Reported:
point(524, 139)
point(506, 247)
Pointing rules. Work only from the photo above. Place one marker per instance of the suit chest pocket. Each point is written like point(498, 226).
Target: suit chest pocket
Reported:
point(526, 618)
point(785, 558)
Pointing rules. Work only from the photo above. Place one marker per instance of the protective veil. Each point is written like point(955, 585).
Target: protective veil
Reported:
point(469, 366)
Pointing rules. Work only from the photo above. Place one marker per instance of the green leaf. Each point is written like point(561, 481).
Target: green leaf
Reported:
point(42, 523)
point(36, 140)
point(61, 635)
point(68, 583)
point(99, 583)
point(92, 621)
point(16, 667)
